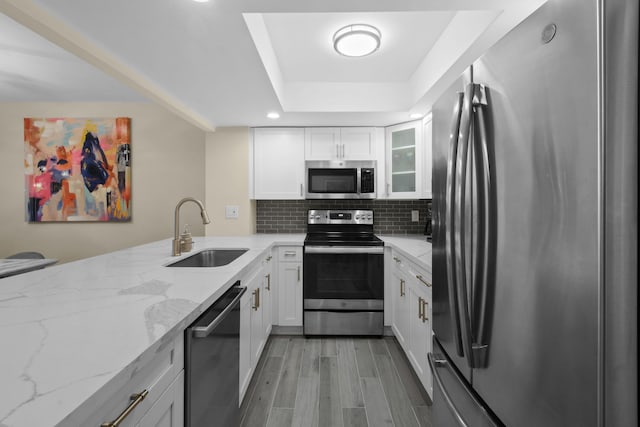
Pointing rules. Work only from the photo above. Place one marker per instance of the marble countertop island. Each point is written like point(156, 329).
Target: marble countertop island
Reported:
point(72, 332)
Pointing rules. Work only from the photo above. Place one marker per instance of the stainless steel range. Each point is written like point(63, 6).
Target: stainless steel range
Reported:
point(343, 274)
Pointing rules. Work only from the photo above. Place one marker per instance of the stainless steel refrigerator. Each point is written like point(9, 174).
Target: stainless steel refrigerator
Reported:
point(535, 225)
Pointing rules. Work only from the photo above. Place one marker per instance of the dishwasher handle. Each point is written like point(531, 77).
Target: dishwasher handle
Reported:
point(204, 331)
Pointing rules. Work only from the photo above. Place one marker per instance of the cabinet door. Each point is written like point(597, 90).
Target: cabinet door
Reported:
point(278, 163)
point(322, 144)
point(427, 137)
point(168, 410)
point(404, 160)
point(266, 302)
point(400, 309)
point(257, 331)
point(358, 143)
point(290, 293)
point(420, 328)
point(245, 342)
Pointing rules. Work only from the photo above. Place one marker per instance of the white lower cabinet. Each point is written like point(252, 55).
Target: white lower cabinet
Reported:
point(252, 332)
point(411, 319)
point(290, 286)
point(267, 294)
point(420, 332)
point(162, 376)
point(400, 322)
point(168, 411)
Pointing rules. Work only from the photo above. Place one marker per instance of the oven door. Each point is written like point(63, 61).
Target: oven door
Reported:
point(343, 278)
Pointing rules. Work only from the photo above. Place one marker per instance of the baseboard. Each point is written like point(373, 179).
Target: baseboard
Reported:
point(286, 330)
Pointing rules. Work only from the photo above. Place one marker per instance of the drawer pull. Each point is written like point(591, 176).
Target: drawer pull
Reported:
point(401, 287)
point(269, 281)
point(396, 259)
point(289, 253)
point(136, 399)
point(269, 258)
point(419, 277)
point(420, 309)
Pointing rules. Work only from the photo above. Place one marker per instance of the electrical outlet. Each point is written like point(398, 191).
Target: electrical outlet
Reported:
point(231, 211)
point(415, 216)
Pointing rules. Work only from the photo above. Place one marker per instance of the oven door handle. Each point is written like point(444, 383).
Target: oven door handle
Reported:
point(344, 250)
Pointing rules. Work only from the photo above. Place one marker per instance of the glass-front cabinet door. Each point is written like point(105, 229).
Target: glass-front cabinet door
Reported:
point(404, 160)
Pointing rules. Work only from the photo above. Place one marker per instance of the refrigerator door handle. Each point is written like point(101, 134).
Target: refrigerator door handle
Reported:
point(459, 224)
point(449, 217)
point(485, 248)
point(434, 363)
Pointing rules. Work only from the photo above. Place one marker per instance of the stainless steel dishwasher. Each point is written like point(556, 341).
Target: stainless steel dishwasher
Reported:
point(212, 354)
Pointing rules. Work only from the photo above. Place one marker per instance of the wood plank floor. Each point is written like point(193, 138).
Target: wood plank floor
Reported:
point(334, 382)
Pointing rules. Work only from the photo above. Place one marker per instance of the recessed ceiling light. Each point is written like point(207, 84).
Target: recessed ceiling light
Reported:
point(273, 115)
point(357, 40)
point(201, 1)
point(415, 115)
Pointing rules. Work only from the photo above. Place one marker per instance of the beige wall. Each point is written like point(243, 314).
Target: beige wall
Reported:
point(227, 181)
point(167, 160)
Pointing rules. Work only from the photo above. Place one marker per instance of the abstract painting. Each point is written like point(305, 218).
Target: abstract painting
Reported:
point(77, 169)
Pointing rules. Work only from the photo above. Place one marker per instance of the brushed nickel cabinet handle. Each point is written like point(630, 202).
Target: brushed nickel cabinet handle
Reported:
point(289, 253)
point(425, 308)
point(401, 287)
point(256, 299)
point(298, 273)
point(135, 401)
point(268, 281)
point(396, 259)
point(419, 277)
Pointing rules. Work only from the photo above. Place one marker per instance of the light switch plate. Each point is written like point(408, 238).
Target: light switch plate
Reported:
point(231, 211)
point(415, 216)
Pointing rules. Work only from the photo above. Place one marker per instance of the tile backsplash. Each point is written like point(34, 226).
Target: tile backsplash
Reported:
point(390, 216)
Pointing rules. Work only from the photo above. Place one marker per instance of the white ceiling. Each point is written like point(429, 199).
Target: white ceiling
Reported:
point(229, 62)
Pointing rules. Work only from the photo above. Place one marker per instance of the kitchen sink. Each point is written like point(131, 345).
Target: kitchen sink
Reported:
point(209, 258)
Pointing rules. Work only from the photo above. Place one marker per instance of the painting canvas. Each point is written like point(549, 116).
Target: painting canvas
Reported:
point(77, 169)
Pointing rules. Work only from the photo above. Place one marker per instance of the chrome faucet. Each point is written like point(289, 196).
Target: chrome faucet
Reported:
point(178, 243)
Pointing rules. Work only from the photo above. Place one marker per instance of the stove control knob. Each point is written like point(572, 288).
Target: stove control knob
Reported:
point(317, 216)
point(357, 217)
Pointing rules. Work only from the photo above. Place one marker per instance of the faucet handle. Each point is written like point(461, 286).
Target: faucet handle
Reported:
point(186, 241)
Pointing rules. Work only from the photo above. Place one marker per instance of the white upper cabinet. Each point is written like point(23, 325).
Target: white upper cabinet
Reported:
point(427, 137)
point(353, 143)
point(278, 163)
point(408, 158)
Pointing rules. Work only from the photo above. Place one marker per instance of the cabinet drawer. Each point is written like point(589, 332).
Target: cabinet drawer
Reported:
point(290, 254)
point(154, 374)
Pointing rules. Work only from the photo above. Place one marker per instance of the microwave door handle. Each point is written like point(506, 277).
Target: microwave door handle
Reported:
point(460, 224)
point(449, 222)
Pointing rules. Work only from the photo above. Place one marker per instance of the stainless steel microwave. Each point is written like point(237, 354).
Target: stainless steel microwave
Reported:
point(340, 179)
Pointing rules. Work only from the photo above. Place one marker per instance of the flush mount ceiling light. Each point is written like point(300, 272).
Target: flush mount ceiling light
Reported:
point(273, 115)
point(357, 40)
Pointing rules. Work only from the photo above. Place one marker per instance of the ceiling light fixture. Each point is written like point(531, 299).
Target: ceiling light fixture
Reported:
point(201, 1)
point(357, 40)
point(273, 115)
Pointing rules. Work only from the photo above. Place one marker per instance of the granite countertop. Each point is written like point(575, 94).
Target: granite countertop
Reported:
point(73, 333)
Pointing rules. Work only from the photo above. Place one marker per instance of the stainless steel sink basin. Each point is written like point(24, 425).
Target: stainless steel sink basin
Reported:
point(209, 258)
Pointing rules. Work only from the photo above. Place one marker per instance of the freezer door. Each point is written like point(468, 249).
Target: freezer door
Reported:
point(454, 402)
point(446, 325)
point(543, 348)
